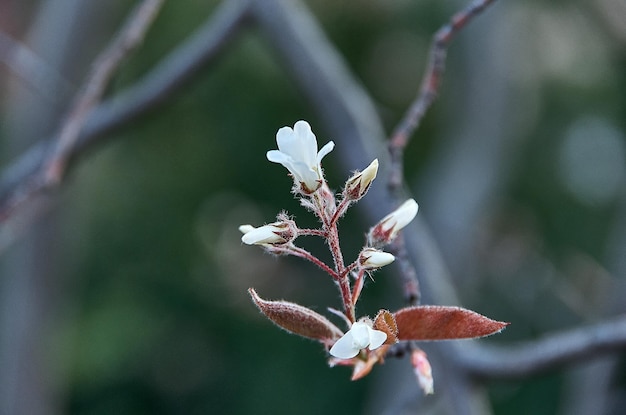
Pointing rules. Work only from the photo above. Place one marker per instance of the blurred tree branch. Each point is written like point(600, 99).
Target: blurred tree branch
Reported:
point(102, 69)
point(33, 70)
point(25, 178)
point(550, 352)
point(429, 88)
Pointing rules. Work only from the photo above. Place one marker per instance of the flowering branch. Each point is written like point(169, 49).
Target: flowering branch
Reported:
point(348, 112)
point(366, 342)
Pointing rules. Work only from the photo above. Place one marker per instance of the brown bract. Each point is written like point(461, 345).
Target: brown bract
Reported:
point(386, 323)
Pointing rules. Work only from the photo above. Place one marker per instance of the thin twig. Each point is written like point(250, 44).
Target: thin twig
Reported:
point(410, 122)
point(429, 88)
point(410, 282)
point(102, 69)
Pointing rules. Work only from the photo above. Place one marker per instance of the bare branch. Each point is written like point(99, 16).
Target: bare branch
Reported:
point(34, 71)
point(429, 88)
point(553, 351)
point(410, 282)
point(103, 68)
point(410, 122)
point(22, 180)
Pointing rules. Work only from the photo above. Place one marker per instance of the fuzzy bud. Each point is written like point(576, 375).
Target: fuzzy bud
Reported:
point(357, 186)
point(371, 258)
point(277, 233)
point(387, 229)
point(422, 370)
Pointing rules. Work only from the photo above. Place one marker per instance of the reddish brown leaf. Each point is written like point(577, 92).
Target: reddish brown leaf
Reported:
point(297, 319)
point(443, 323)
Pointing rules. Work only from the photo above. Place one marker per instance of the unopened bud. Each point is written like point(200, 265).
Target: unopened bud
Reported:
point(422, 370)
point(387, 229)
point(358, 185)
point(371, 258)
point(246, 228)
point(276, 233)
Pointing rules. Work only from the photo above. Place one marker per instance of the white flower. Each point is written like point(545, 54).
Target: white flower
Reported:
point(273, 233)
point(371, 258)
point(360, 336)
point(297, 151)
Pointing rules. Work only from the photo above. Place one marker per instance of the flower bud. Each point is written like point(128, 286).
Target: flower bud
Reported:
point(422, 370)
point(371, 258)
point(387, 229)
point(357, 186)
point(276, 233)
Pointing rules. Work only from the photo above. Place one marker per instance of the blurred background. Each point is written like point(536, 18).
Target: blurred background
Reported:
point(129, 295)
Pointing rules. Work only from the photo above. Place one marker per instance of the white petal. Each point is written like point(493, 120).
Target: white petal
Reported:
point(277, 156)
point(325, 150)
point(369, 174)
point(344, 347)
point(246, 228)
point(299, 170)
point(263, 235)
point(298, 143)
point(360, 335)
point(311, 179)
point(307, 141)
point(400, 217)
point(288, 142)
point(406, 213)
point(373, 258)
point(377, 338)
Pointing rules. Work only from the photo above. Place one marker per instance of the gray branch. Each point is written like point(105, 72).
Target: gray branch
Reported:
point(554, 351)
